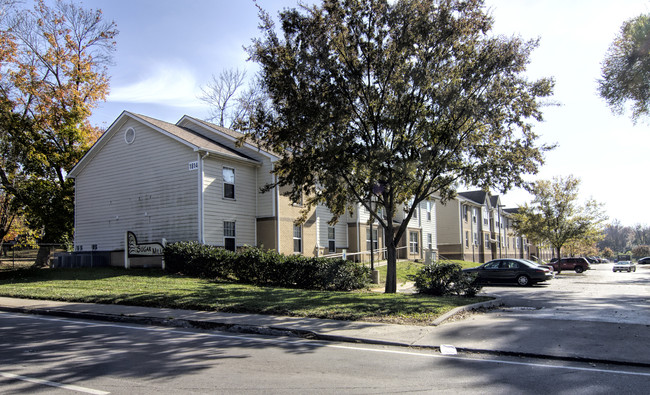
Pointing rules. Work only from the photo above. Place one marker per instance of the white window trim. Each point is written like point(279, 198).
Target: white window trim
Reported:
point(297, 238)
point(234, 183)
point(230, 237)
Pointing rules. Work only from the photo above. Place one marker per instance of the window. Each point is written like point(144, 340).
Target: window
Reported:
point(413, 243)
point(375, 242)
point(474, 214)
point(228, 183)
point(229, 235)
point(429, 241)
point(428, 211)
point(475, 238)
point(297, 238)
point(331, 239)
point(485, 216)
point(465, 212)
point(467, 238)
point(517, 242)
point(487, 240)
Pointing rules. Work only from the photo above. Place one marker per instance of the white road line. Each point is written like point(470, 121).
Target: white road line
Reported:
point(53, 384)
point(325, 345)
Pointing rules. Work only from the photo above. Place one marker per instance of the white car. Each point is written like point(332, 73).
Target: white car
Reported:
point(624, 266)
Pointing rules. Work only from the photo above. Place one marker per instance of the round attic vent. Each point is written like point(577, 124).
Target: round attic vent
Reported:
point(129, 135)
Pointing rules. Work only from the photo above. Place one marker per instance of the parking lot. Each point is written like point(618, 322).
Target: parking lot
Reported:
point(598, 294)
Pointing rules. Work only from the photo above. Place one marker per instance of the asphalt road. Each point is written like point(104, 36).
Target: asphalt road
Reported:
point(63, 356)
point(598, 294)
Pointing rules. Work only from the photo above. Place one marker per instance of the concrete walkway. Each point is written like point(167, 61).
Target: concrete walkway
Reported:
point(500, 331)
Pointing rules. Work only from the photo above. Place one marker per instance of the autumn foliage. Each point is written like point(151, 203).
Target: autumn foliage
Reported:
point(53, 73)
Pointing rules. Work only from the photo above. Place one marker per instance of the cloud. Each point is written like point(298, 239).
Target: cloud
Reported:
point(167, 84)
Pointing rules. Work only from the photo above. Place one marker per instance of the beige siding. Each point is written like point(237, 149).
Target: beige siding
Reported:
point(448, 222)
point(266, 200)
point(217, 209)
point(145, 187)
point(323, 216)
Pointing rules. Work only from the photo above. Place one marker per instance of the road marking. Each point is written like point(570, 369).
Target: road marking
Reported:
point(325, 345)
point(53, 384)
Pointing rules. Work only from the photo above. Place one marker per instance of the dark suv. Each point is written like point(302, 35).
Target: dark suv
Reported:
point(579, 265)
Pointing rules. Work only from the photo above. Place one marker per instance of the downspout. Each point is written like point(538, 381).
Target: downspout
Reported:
point(201, 200)
point(460, 221)
point(359, 229)
point(277, 216)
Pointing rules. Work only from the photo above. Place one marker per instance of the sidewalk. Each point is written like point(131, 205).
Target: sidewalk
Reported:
point(498, 332)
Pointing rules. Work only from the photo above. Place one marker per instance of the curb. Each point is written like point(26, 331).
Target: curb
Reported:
point(482, 305)
point(311, 335)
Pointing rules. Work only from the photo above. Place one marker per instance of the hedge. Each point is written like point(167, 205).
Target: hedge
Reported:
point(267, 268)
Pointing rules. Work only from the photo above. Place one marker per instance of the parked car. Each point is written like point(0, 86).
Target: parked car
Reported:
point(577, 264)
point(644, 261)
point(511, 270)
point(549, 267)
point(624, 266)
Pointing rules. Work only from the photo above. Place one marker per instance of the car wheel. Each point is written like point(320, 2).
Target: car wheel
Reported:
point(579, 269)
point(523, 280)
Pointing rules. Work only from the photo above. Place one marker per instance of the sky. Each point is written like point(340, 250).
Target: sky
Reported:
point(168, 49)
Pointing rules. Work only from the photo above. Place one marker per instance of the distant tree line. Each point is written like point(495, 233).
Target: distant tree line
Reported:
point(623, 239)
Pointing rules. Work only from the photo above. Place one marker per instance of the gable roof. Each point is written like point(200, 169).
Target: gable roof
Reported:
point(228, 133)
point(475, 196)
point(201, 142)
point(196, 141)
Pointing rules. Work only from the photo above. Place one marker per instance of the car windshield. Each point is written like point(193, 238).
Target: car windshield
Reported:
point(624, 262)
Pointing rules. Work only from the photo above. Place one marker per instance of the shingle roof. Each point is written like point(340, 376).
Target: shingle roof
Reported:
point(193, 138)
point(232, 133)
point(476, 196)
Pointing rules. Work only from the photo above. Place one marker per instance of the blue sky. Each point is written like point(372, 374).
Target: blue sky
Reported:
point(167, 50)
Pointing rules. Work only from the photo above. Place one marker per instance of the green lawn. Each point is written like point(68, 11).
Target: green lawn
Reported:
point(155, 288)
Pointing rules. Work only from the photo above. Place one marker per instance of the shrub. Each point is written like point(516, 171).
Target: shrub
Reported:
point(195, 259)
point(441, 279)
point(266, 268)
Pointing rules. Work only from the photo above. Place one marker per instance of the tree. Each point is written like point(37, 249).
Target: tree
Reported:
point(640, 251)
point(626, 69)
point(555, 217)
point(641, 234)
point(393, 102)
point(54, 73)
point(607, 253)
point(616, 236)
point(230, 99)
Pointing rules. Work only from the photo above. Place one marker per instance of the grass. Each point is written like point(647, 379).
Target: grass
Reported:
point(155, 288)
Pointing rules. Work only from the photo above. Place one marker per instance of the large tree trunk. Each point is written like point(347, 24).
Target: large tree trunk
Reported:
point(391, 269)
point(42, 257)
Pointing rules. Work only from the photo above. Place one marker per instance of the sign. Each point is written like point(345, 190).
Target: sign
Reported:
point(193, 165)
point(144, 249)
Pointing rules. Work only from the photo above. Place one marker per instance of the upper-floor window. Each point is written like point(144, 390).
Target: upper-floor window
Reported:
point(429, 210)
point(485, 216)
point(228, 183)
point(474, 214)
point(487, 240)
point(465, 212)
